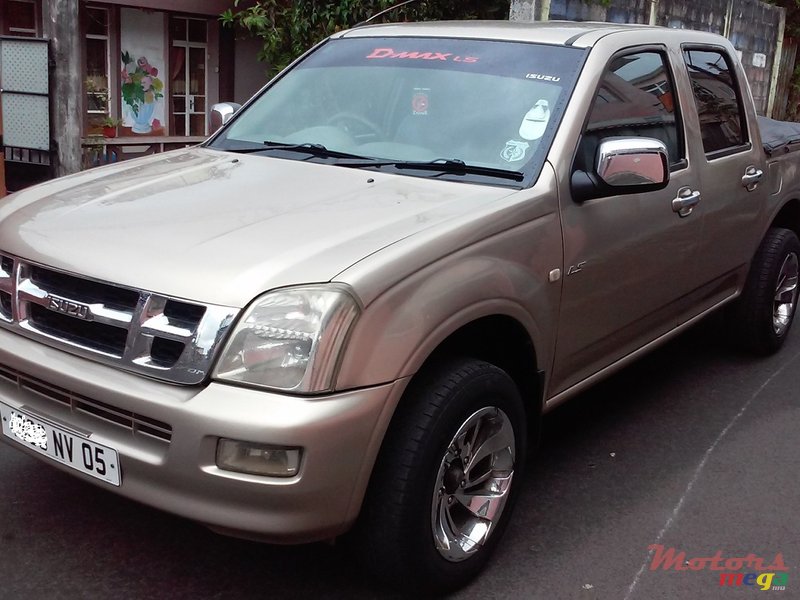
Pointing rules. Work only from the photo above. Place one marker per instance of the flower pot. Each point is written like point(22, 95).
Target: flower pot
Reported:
point(141, 123)
point(109, 132)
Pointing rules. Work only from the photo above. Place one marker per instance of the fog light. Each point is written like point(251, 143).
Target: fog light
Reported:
point(258, 459)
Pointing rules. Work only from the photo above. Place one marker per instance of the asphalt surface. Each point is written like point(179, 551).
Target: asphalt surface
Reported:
point(693, 448)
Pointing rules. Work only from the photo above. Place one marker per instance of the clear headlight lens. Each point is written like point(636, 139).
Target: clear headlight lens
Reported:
point(290, 339)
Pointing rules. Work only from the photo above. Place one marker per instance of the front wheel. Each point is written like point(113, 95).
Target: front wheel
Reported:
point(446, 478)
point(760, 319)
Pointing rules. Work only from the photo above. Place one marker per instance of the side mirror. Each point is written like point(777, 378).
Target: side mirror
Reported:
point(221, 113)
point(630, 164)
point(624, 165)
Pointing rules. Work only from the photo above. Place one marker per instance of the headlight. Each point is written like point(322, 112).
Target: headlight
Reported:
point(290, 339)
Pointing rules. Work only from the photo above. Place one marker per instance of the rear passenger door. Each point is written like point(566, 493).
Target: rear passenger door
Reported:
point(732, 173)
point(626, 255)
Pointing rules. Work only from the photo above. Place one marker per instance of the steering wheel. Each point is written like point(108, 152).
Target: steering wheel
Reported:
point(346, 120)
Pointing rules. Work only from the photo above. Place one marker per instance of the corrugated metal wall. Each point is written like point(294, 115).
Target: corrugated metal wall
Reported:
point(705, 15)
point(754, 31)
point(633, 11)
point(781, 110)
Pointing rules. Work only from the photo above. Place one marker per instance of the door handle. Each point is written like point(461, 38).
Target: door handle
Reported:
point(685, 202)
point(751, 178)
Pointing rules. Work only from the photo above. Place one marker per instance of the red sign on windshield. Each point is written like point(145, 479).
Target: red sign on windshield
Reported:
point(447, 56)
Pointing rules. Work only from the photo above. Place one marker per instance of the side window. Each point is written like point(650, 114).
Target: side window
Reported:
point(635, 98)
point(718, 104)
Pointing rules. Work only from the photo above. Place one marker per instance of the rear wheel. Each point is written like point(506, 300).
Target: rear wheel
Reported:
point(446, 478)
point(761, 318)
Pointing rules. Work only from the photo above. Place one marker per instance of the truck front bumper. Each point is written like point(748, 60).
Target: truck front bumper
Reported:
point(172, 465)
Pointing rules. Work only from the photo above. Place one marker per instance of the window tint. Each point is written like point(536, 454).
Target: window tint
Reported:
point(635, 99)
point(718, 106)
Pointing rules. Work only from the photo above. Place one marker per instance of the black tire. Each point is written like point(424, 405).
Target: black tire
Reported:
point(395, 532)
point(755, 321)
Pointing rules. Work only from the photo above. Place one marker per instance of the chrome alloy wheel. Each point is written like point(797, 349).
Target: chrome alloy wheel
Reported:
point(785, 294)
point(473, 484)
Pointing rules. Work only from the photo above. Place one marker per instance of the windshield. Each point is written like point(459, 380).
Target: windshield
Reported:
point(432, 107)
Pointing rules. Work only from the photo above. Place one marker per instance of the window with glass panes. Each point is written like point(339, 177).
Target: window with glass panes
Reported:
point(20, 17)
point(188, 75)
point(98, 60)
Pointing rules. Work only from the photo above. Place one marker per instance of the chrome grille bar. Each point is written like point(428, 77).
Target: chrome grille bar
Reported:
point(152, 334)
point(7, 288)
point(29, 292)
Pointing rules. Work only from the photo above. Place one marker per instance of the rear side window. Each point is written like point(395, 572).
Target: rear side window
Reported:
point(635, 98)
point(718, 103)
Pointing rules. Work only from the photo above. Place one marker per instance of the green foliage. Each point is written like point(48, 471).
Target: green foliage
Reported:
point(288, 28)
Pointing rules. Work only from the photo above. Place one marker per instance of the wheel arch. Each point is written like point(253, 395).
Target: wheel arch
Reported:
point(503, 341)
point(788, 216)
point(484, 337)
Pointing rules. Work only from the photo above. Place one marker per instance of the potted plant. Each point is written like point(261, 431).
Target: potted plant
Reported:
point(110, 126)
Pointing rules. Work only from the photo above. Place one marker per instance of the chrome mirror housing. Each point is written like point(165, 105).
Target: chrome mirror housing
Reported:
point(630, 164)
point(220, 114)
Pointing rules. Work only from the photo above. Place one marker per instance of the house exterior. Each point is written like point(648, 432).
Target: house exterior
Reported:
point(143, 71)
point(152, 68)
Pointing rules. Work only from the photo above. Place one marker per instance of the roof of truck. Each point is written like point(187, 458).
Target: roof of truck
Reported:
point(570, 33)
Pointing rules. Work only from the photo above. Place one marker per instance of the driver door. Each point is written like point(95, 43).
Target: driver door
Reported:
point(625, 256)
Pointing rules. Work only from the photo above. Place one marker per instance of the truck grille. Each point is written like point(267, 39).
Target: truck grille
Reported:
point(159, 336)
point(134, 422)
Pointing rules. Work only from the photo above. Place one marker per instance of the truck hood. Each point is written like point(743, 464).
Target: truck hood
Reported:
point(221, 228)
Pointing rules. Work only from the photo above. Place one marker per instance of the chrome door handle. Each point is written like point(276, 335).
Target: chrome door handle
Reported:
point(685, 202)
point(751, 178)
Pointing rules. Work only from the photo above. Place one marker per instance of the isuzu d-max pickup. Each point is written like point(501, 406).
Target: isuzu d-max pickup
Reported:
point(348, 310)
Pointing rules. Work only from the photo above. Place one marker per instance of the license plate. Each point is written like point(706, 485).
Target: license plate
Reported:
point(60, 445)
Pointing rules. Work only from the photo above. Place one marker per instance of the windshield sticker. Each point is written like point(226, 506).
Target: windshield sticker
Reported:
point(535, 121)
point(534, 63)
point(420, 101)
point(552, 78)
point(514, 151)
point(447, 56)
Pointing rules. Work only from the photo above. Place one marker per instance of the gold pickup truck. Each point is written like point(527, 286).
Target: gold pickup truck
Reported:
point(348, 310)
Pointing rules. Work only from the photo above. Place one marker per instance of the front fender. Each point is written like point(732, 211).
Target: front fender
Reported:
point(507, 274)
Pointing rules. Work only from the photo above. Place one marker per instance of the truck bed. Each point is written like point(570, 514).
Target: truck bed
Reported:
point(779, 136)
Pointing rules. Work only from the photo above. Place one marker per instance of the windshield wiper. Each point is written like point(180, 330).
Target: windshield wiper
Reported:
point(317, 150)
point(450, 166)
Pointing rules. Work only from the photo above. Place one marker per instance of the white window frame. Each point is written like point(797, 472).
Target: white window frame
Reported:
point(107, 39)
point(189, 98)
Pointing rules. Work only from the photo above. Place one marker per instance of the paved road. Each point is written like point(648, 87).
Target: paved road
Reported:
point(694, 448)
